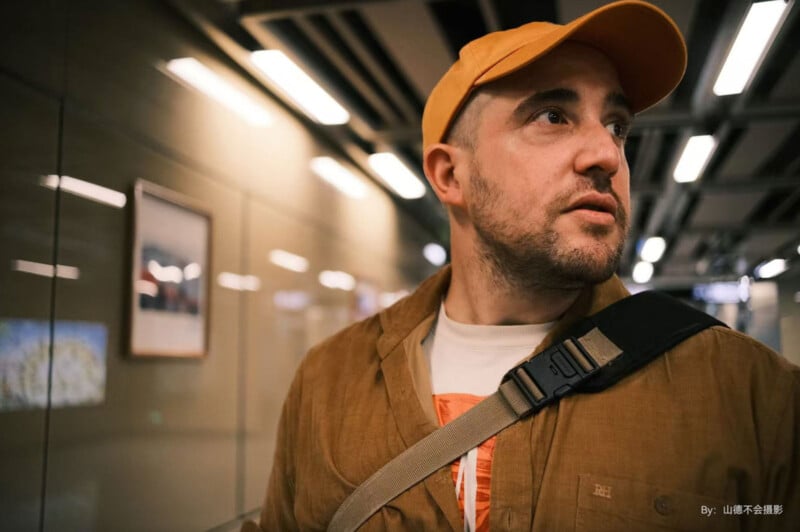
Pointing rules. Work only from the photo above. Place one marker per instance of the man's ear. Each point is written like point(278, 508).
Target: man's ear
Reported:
point(443, 166)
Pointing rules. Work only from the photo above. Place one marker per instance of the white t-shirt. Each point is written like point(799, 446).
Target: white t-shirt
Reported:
point(467, 363)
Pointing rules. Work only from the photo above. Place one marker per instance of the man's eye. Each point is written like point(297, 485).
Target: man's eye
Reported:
point(550, 116)
point(619, 129)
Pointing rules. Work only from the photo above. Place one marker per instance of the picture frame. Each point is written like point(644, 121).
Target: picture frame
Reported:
point(170, 284)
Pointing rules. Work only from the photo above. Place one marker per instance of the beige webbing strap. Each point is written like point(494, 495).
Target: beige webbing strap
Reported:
point(440, 448)
point(484, 420)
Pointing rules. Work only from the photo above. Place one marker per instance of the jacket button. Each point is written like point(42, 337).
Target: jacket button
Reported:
point(663, 505)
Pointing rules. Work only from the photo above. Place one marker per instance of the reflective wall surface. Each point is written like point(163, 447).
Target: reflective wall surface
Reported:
point(92, 438)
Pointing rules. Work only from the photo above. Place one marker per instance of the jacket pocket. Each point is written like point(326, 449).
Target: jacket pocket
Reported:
point(613, 504)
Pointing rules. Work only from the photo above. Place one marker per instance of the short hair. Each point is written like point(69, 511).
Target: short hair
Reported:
point(465, 124)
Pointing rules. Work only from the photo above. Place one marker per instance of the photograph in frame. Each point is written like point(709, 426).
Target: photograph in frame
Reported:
point(171, 251)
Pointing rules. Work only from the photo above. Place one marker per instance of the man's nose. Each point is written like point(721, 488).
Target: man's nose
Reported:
point(599, 153)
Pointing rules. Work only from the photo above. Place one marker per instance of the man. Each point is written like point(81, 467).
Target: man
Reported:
point(524, 144)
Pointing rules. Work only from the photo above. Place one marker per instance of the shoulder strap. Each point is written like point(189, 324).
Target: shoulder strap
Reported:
point(595, 354)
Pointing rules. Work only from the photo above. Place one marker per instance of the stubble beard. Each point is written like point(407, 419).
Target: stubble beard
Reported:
point(539, 259)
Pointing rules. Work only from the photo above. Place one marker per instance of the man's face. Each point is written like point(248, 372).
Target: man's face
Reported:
point(548, 188)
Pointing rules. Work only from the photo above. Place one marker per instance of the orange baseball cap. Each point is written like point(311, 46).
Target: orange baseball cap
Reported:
point(642, 41)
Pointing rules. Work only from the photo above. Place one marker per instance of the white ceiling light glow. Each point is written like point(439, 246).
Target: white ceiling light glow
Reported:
point(772, 268)
point(435, 254)
point(85, 189)
point(748, 47)
point(337, 175)
point(337, 280)
point(288, 261)
point(299, 87)
point(206, 81)
point(642, 272)
point(695, 155)
point(46, 270)
point(653, 249)
point(396, 175)
point(240, 283)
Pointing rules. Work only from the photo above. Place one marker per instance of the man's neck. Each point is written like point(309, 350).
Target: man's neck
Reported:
point(478, 296)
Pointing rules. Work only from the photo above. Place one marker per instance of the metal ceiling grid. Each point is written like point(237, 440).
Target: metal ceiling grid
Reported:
point(381, 58)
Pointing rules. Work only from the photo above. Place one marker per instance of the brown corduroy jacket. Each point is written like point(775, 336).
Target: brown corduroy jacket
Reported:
point(712, 425)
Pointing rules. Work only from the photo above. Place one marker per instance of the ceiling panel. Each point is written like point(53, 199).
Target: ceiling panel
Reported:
point(725, 208)
point(787, 89)
point(763, 244)
point(754, 148)
point(685, 246)
point(411, 36)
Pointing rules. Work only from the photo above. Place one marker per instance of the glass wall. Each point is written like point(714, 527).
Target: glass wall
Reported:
point(91, 437)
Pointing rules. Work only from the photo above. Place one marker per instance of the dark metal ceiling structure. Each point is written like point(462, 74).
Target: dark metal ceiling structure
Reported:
point(380, 59)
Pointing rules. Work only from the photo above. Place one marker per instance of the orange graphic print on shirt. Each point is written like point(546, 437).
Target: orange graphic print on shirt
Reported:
point(448, 407)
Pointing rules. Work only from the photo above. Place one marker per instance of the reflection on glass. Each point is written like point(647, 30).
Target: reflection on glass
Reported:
point(337, 280)
point(242, 283)
point(79, 363)
point(387, 299)
point(202, 78)
point(291, 299)
point(46, 270)
point(85, 189)
point(288, 261)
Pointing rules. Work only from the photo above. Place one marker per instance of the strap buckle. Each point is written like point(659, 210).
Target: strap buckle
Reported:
point(553, 373)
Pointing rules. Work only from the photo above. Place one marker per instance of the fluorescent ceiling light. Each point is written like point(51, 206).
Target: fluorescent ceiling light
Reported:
point(337, 280)
point(288, 261)
point(694, 158)
point(340, 177)
point(242, 283)
point(46, 270)
point(748, 47)
point(653, 249)
point(396, 175)
point(771, 268)
point(206, 81)
point(85, 189)
point(299, 87)
point(435, 254)
point(642, 272)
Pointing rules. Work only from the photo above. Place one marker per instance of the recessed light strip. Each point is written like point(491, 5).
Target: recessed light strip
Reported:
point(208, 82)
point(694, 158)
point(396, 175)
point(749, 45)
point(299, 87)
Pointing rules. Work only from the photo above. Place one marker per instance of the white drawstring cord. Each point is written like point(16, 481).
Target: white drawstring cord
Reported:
point(468, 476)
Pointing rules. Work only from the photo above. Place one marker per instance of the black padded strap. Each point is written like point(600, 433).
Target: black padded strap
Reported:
point(644, 326)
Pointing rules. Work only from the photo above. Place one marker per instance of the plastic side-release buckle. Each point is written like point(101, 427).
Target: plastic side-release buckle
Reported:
point(553, 373)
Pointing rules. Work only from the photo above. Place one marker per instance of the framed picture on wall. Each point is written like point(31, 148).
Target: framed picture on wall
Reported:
point(170, 285)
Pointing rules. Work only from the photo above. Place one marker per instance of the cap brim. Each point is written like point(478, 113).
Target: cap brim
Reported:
point(644, 44)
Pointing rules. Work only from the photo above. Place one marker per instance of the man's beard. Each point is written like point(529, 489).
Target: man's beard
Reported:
point(540, 258)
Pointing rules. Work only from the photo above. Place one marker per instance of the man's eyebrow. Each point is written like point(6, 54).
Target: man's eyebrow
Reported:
point(557, 95)
point(617, 99)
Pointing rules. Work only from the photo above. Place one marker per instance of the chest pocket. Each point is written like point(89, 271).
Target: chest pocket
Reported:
point(612, 504)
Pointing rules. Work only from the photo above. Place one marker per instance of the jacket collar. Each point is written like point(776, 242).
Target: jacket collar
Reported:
point(400, 319)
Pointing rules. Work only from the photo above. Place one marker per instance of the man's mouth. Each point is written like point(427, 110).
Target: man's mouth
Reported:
point(595, 201)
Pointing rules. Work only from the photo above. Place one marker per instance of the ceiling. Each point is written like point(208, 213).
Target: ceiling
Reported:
point(381, 59)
